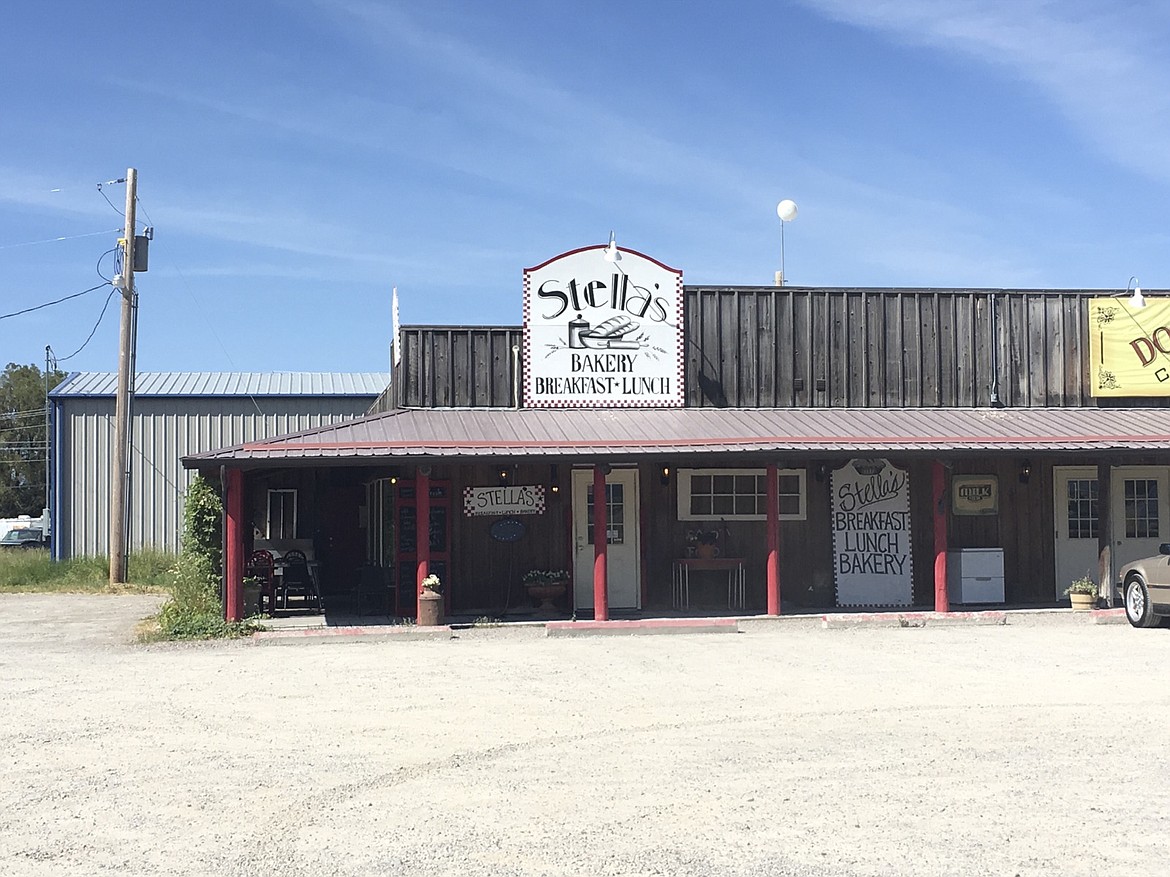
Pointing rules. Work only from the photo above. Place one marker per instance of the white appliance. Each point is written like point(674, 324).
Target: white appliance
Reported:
point(975, 575)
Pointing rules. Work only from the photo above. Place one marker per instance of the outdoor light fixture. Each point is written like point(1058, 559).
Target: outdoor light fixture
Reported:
point(1025, 472)
point(786, 210)
point(554, 477)
point(664, 476)
point(504, 475)
point(611, 252)
point(1136, 300)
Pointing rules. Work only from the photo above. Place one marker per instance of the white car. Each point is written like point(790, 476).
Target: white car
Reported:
point(1145, 586)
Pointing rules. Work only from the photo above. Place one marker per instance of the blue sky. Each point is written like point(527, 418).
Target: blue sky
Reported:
point(299, 159)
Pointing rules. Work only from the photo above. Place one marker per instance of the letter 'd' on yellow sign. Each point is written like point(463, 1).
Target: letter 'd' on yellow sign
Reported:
point(1129, 348)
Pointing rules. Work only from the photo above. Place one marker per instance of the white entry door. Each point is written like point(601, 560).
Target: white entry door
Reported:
point(1139, 512)
point(623, 567)
point(1140, 509)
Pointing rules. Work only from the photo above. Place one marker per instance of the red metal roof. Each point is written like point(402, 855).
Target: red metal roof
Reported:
point(494, 432)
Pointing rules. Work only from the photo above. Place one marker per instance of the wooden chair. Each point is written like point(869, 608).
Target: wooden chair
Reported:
point(261, 566)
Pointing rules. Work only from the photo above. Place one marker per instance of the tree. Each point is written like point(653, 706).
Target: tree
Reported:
point(22, 438)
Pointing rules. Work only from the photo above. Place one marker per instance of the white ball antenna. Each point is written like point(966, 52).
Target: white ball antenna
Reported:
point(786, 210)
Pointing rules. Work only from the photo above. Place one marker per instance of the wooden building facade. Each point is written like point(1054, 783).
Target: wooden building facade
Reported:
point(790, 398)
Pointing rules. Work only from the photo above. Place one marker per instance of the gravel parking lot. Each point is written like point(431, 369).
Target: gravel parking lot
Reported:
point(1024, 749)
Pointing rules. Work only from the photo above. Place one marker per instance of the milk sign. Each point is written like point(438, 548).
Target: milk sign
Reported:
point(871, 534)
point(975, 494)
point(601, 333)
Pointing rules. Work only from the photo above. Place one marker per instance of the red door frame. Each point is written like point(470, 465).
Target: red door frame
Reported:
point(437, 496)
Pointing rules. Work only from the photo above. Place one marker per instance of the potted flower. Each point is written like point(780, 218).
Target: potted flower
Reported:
point(430, 602)
point(703, 542)
point(1082, 593)
point(546, 585)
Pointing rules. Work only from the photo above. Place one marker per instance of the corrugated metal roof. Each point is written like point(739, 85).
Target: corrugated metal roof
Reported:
point(228, 384)
point(438, 432)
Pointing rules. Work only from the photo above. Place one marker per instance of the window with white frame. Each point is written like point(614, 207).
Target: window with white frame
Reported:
point(738, 494)
point(282, 514)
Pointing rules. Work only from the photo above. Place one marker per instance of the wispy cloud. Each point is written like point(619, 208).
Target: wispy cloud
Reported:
point(1103, 64)
point(531, 106)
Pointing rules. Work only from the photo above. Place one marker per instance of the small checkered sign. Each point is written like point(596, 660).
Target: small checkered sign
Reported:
point(518, 499)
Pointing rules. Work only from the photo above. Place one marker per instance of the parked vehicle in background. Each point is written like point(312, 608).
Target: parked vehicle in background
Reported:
point(1145, 586)
point(24, 537)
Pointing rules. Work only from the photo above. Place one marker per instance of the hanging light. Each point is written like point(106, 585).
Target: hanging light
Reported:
point(611, 252)
point(1136, 300)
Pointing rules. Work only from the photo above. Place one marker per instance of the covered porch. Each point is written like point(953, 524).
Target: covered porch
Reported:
point(384, 502)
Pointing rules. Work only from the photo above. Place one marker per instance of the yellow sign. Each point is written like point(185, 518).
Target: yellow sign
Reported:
point(1129, 348)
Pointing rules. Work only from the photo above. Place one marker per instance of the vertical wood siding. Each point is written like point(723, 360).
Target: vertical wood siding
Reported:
point(818, 348)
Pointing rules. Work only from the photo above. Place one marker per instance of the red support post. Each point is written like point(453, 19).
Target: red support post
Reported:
point(939, 477)
point(422, 524)
point(773, 562)
point(234, 547)
point(600, 546)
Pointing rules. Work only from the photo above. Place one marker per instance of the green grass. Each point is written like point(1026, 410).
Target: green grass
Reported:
point(27, 571)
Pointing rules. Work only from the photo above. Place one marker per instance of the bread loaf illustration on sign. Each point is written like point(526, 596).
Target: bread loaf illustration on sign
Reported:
point(614, 327)
point(607, 335)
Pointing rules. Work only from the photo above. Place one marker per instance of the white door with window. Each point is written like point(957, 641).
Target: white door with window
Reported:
point(1140, 507)
point(623, 567)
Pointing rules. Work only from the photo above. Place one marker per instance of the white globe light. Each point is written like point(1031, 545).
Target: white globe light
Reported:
point(786, 210)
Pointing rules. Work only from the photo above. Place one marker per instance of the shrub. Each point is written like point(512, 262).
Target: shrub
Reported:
point(195, 610)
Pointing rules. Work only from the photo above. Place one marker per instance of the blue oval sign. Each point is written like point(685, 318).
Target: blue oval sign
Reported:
point(507, 530)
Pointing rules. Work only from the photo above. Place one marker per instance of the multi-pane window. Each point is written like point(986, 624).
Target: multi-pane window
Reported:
point(282, 514)
point(1082, 508)
point(738, 494)
point(1141, 508)
point(615, 514)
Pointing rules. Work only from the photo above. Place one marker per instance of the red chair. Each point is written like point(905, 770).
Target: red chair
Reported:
point(262, 567)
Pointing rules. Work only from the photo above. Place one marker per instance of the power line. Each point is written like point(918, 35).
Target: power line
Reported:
point(70, 237)
point(57, 360)
point(108, 201)
point(51, 303)
point(202, 310)
point(97, 268)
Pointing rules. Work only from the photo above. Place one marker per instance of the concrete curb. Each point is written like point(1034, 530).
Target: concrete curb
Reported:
point(1108, 616)
point(403, 632)
point(652, 626)
point(912, 619)
point(648, 626)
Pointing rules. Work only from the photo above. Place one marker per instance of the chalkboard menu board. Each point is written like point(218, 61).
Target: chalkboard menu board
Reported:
point(408, 529)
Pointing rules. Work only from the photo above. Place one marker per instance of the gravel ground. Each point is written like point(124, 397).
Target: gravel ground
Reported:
point(786, 750)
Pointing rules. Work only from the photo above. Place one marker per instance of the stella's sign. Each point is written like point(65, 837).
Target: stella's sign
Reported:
point(601, 333)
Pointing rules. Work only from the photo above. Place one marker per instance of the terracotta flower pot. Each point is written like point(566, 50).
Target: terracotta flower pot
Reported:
point(706, 551)
point(546, 594)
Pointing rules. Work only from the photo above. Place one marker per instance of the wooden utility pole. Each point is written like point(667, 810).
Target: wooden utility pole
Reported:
point(119, 470)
